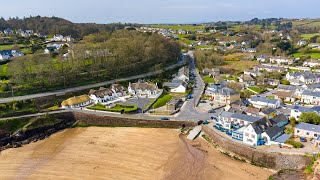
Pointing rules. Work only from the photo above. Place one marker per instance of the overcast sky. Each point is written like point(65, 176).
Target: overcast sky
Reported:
point(160, 11)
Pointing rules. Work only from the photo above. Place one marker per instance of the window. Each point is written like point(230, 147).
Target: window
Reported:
point(247, 134)
point(253, 136)
point(298, 131)
point(307, 133)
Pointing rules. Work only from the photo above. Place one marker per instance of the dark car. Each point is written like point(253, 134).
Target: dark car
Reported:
point(164, 118)
point(211, 111)
point(303, 139)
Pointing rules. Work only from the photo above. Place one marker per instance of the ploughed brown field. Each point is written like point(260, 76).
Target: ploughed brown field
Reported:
point(122, 153)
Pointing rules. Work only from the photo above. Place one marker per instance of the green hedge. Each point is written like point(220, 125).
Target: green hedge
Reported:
point(117, 108)
point(295, 144)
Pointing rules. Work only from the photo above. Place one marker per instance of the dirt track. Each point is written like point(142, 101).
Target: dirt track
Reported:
point(122, 153)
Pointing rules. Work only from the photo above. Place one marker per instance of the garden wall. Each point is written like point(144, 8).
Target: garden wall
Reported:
point(270, 160)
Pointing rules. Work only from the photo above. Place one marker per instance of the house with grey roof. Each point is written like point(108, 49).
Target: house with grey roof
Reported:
point(227, 118)
point(296, 111)
point(261, 102)
point(300, 78)
point(176, 86)
point(310, 97)
point(222, 94)
point(307, 130)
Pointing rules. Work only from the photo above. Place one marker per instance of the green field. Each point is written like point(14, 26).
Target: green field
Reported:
point(177, 27)
point(162, 100)
point(308, 36)
point(208, 79)
point(312, 55)
point(8, 47)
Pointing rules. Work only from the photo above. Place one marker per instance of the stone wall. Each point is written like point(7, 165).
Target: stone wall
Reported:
point(91, 119)
point(270, 160)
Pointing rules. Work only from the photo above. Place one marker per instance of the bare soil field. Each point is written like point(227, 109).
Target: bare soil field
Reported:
point(122, 153)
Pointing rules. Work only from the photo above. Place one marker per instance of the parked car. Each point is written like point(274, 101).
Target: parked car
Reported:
point(164, 118)
point(211, 111)
point(303, 139)
point(205, 122)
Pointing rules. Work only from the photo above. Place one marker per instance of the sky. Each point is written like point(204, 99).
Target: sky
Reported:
point(160, 11)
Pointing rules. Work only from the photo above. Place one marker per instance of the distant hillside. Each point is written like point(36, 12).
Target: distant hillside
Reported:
point(55, 25)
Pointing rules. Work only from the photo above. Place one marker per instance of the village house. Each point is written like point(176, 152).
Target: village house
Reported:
point(76, 102)
point(285, 96)
point(252, 73)
point(310, 97)
point(266, 131)
point(268, 68)
point(143, 89)
point(314, 45)
point(307, 130)
point(214, 72)
point(311, 63)
point(183, 74)
point(222, 94)
point(301, 43)
point(262, 58)
point(296, 111)
point(248, 80)
point(228, 118)
point(300, 78)
point(281, 60)
point(9, 54)
point(176, 86)
point(261, 102)
point(104, 95)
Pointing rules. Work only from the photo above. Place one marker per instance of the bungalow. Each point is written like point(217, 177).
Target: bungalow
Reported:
point(176, 86)
point(102, 95)
point(143, 89)
point(307, 130)
point(260, 102)
point(311, 63)
point(248, 80)
point(310, 97)
point(281, 60)
point(296, 111)
point(269, 68)
point(214, 72)
point(222, 94)
point(262, 58)
point(76, 102)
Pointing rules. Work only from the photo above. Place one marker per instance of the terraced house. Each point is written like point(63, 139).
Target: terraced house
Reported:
point(310, 97)
point(143, 90)
point(301, 78)
point(104, 95)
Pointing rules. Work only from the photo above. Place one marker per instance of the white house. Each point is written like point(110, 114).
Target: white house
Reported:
point(76, 102)
point(57, 37)
point(311, 63)
point(227, 118)
point(310, 97)
point(307, 130)
point(9, 54)
point(261, 102)
point(176, 86)
point(281, 60)
point(143, 90)
point(296, 111)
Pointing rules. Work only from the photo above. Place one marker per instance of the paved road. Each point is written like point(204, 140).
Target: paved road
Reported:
point(79, 88)
point(189, 110)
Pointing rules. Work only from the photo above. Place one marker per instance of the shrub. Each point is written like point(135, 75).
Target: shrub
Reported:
point(295, 144)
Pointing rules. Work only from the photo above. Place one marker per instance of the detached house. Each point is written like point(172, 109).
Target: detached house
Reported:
point(76, 102)
point(143, 90)
point(307, 130)
point(222, 94)
point(248, 80)
point(296, 111)
point(214, 72)
point(176, 86)
point(261, 102)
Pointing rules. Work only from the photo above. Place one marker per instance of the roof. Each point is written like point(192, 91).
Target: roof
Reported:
point(279, 118)
point(246, 77)
point(274, 131)
point(245, 117)
point(226, 114)
point(76, 100)
point(235, 110)
point(252, 110)
point(302, 109)
point(264, 99)
point(283, 94)
point(311, 93)
point(261, 125)
point(175, 83)
point(308, 127)
point(101, 92)
point(283, 138)
point(287, 87)
point(143, 86)
point(117, 87)
point(268, 110)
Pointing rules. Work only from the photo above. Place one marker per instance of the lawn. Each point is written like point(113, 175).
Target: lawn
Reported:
point(230, 78)
point(308, 36)
point(256, 89)
point(8, 47)
point(177, 27)
point(208, 79)
point(162, 100)
point(116, 108)
point(312, 55)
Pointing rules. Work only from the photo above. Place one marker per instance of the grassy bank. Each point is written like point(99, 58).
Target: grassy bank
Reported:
point(162, 100)
point(117, 108)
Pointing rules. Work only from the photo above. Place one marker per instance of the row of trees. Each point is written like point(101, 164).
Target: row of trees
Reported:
point(54, 25)
point(99, 57)
point(208, 59)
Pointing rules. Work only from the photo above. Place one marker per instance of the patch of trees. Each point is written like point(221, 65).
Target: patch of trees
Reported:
point(55, 25)
point(208, 59)
point(98, 57)
point(310, 117)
